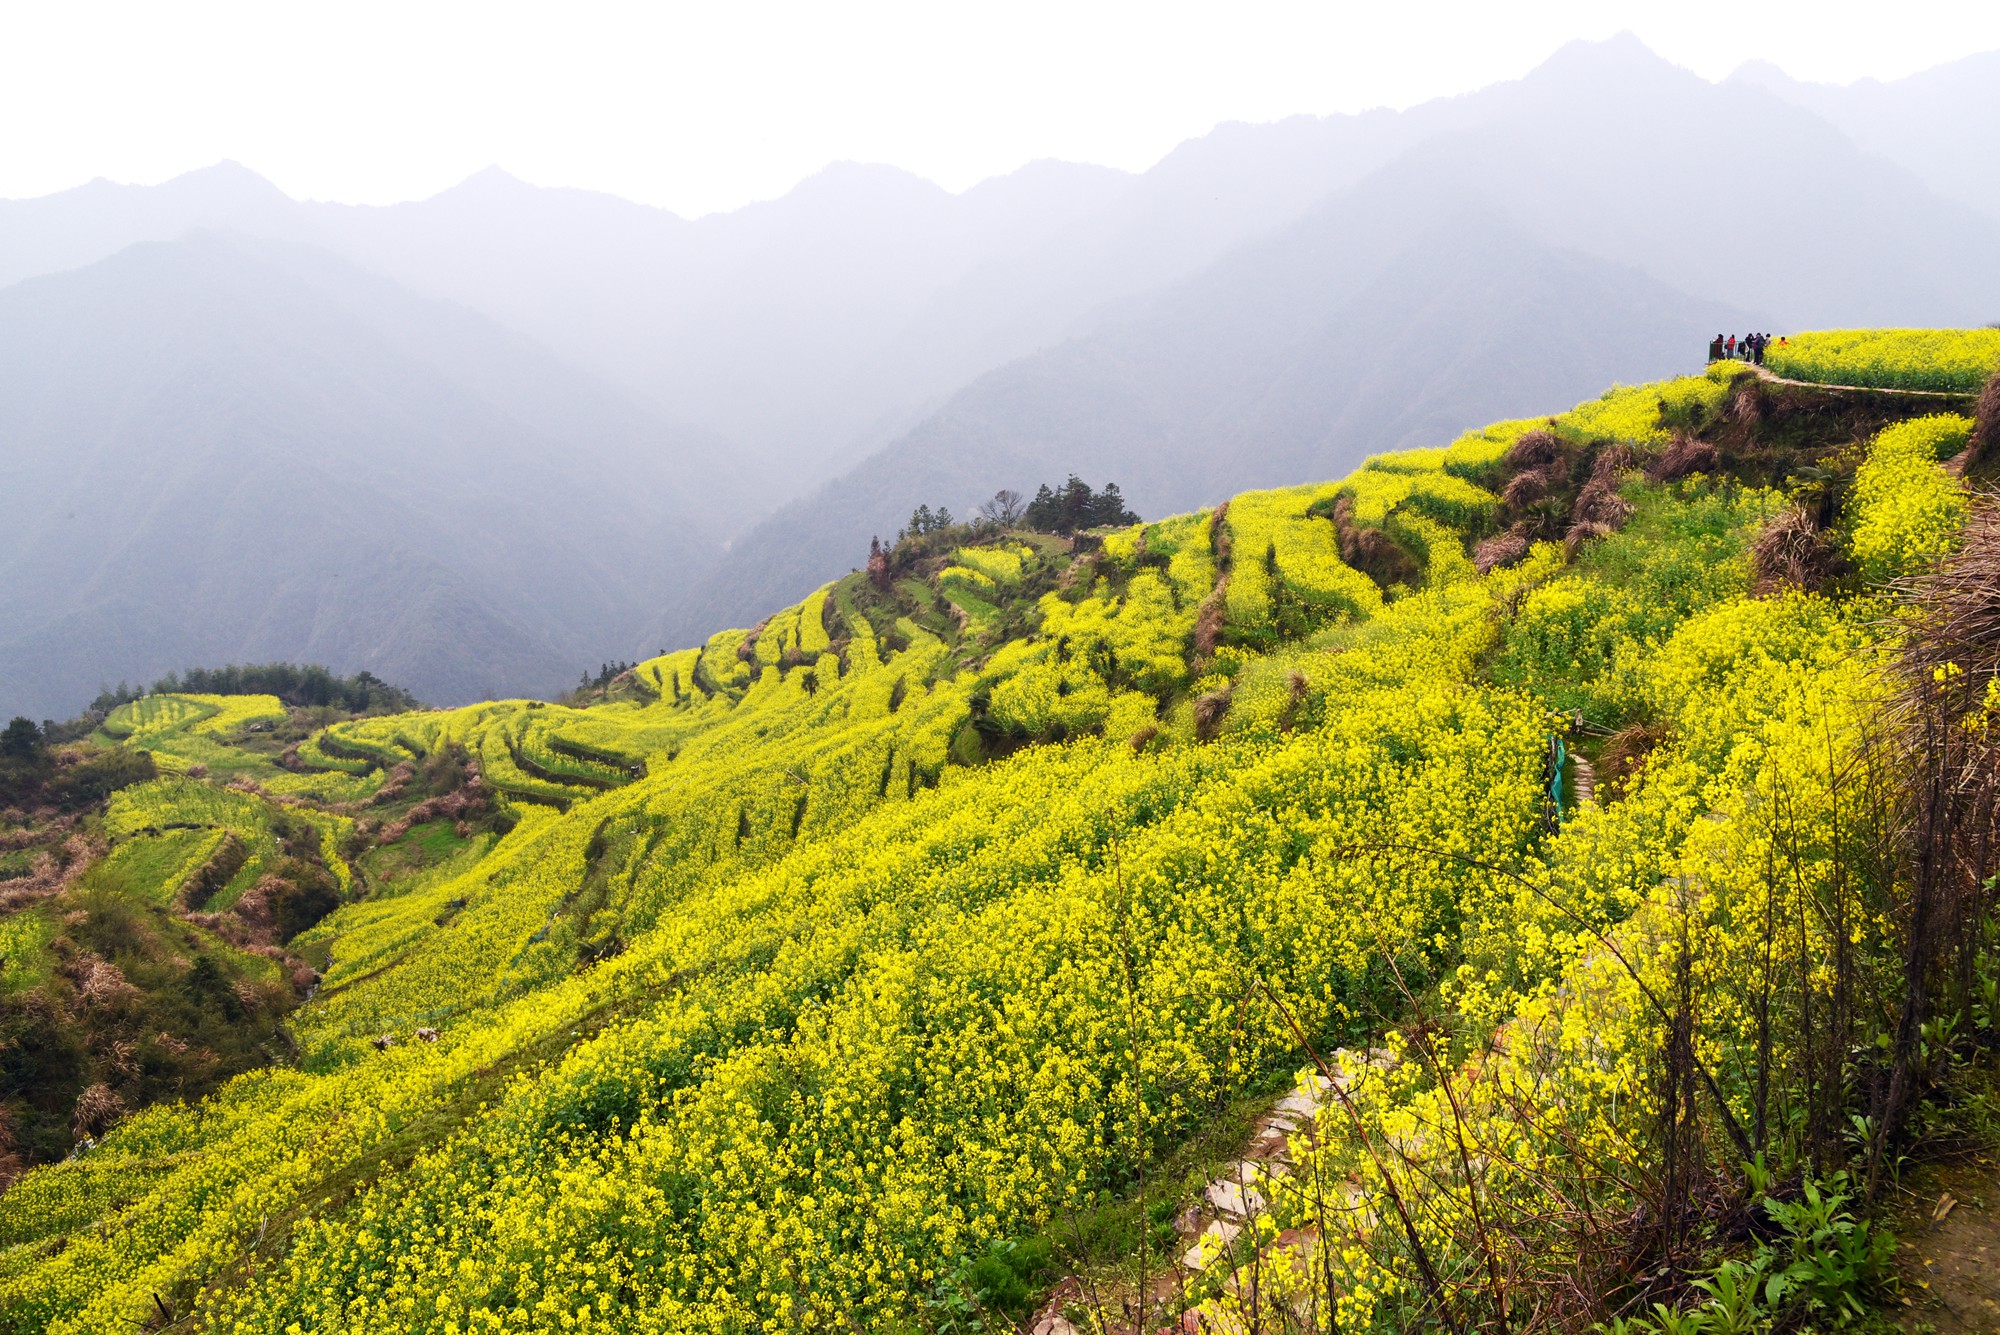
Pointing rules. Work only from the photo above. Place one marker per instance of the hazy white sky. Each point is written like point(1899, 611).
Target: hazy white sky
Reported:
point(705, 106)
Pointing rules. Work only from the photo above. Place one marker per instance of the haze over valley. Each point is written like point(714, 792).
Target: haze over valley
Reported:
point(746, 398)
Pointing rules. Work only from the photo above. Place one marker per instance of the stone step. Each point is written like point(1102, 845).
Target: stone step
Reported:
point(1214, 1240)
point(1234, 1198)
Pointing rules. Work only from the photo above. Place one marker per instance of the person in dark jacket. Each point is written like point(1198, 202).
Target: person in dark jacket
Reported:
point(1715, 348)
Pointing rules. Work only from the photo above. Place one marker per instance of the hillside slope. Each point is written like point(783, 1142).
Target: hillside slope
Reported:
point(1933, 122)
point(943, 934)
point(1253, 369)
point(1379, 321)
point(225, 453)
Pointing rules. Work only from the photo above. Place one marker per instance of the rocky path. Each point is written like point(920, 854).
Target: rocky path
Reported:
point(1219, 1234)
point(1586, 782)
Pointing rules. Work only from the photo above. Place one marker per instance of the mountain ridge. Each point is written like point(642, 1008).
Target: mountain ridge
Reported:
point(438, 535)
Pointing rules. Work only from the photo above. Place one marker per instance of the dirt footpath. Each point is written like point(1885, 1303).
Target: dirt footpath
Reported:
point(1950, 1253)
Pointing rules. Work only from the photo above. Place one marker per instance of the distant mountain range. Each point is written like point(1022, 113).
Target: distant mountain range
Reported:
point(1596, 221)
point(477, 442)
point(224, 451)
point(1938, 124)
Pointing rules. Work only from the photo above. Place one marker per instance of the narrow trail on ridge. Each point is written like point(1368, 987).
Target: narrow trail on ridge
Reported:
point(1765, 373)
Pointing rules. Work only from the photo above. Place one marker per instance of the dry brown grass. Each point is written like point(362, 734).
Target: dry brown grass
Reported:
point(1500, 551)
point(1624, 756)
point(1599, 510)
point(99, 982)
point(1209, 711)
point(1948, 816)
point(1792, 549)
point(1746, 402)
point(1536, 449)
point(1371, 551)
point(97, 1110)
point(1986, 428)
point(1684, 456)
point(1960, 624)
point(1209, 618)
point(1526, 487)
point(1296, 691)
point(1218, 536)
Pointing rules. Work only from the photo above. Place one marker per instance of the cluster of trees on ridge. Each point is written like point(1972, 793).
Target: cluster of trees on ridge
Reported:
point(1072, 508)
point(30, 776)
point(1065, 512)
point(302, 686)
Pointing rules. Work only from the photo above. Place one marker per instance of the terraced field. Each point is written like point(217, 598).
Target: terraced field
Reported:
point(880, 965)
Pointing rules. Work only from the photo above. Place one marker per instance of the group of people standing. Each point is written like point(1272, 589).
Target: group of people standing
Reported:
point(1749, 348)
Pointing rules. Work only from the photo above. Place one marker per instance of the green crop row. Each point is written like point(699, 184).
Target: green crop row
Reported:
point(1920, 359)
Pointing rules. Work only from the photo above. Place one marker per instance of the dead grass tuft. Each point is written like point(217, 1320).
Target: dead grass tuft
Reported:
point(1986, 424)
point(1683, 457)
point(1793, 549)
point(1209, 711)
point(1500, 551)
point(1536, 449)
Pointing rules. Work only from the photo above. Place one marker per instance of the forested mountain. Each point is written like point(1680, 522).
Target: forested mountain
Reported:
point(218, 451)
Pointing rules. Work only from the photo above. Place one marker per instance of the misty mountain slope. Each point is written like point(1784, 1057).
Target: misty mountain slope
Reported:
point(748, 323)
point(817, 325)
point(74, 228)
point(1389, 318)
point(1938, 123)
point(1232, 186)
point(751, 323)
point(1722, 190)
point(721, 484)
point(813, 328)
point(210, 460)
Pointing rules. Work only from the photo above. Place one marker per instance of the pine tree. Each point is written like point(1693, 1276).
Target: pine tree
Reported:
point(1109, 508)
point(1041, 514)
